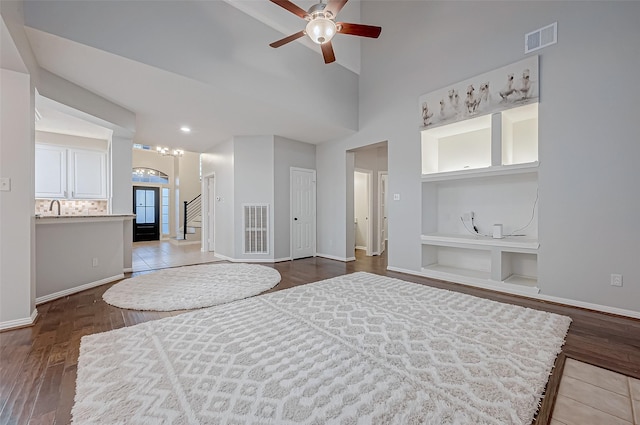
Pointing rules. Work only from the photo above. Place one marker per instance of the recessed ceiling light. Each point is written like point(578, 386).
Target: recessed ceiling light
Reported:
point(185, 129)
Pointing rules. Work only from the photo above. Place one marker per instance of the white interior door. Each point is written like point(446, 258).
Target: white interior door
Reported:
point(303, 213)
point(383, 211)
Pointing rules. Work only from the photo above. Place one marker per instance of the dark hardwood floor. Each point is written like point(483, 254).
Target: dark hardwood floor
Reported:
point(38, 364)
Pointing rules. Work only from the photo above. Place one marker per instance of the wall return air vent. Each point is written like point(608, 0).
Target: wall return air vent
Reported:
point(540, 38)
point(256, 228)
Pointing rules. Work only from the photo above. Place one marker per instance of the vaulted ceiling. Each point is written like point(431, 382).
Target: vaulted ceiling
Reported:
point(204, 64)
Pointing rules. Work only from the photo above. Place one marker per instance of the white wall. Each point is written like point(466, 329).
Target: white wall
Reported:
point(220, 160)
point(17, 232)
point(588, 130)
point(17, 152)
point(287, 153)
point(189, 179)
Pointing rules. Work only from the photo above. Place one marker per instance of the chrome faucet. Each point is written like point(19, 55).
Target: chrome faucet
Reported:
point(51, 205)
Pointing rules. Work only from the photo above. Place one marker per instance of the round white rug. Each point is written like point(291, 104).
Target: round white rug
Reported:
point(184, 288)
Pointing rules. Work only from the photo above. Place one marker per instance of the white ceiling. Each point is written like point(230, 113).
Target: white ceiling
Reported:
point(217, 76)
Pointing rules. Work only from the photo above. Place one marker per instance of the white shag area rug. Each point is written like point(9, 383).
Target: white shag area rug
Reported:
point(189, 287)
point(355, 349)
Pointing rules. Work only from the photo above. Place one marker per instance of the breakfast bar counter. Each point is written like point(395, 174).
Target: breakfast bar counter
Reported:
point(78, 252)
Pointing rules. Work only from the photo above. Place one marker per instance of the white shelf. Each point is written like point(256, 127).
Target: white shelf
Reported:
point(511, 244)
point(513, 285)
point(522, 281)
point(447, 272)
point(487, 165)
point(493, 171)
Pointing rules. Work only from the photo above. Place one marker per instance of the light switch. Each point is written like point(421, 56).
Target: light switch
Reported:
point(5, 184)
point(396, 196)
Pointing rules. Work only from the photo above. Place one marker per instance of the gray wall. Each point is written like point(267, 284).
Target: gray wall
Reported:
point(287, 153)
point(65, 253)
point(253, 184)
point(588, 130)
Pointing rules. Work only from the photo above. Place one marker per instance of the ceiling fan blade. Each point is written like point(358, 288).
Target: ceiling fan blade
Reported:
point(358, 29)
point(327, 52)
point(335, 6)
point(287, 39)
point(286, 4)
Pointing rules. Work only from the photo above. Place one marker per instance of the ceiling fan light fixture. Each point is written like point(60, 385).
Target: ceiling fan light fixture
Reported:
point(321, 30)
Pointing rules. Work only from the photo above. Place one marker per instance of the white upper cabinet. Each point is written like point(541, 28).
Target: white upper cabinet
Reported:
point(87, 174)
point(51, 171)
point(70, 173)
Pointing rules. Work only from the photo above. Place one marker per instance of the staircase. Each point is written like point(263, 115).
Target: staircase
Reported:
point(191, 222)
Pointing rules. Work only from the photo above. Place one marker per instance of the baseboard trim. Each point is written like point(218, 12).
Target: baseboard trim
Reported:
point(333, 257)
point(364, 248)
point(128, 270)
point(252, 260)
point(70, 291)
point(281, 260)
point(20, 323)
point(543, 297)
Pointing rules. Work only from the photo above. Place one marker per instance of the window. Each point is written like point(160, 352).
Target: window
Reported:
point(165, 211)
point(149, 175)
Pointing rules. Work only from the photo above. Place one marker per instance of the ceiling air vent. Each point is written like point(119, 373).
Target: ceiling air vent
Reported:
point(540, 38)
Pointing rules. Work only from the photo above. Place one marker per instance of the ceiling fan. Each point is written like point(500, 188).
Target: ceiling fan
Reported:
point(321, 25)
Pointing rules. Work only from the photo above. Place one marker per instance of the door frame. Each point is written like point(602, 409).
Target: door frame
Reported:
point(315, 210)
point(381, 207)
point(369, 190)
point(208, 212)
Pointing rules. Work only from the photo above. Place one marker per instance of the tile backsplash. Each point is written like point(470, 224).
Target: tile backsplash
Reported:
point(72, 207)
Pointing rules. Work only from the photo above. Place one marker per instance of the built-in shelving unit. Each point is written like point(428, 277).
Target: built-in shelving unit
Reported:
point(477, 173)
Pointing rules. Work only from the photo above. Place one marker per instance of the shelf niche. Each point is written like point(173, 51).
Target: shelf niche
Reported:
point(504, 138)
point(488, 165)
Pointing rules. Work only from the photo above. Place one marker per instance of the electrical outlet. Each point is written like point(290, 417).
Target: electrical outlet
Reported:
point(5, 184)
point(396, 196)
point(95, 262)
point(616, 279)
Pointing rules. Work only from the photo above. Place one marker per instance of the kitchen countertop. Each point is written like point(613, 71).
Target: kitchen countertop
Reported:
point(48, 219)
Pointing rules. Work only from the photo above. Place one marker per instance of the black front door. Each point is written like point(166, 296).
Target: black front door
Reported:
point(146, 207)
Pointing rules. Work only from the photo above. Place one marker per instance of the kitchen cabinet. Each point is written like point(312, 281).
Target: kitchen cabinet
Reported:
point(51, 171)
point(70, 173)
point(87, 174)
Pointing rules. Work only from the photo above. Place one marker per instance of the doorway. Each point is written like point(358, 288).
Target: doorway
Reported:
point(368, 230)
point(146, 207)
point(303, 212)
point(362, 209)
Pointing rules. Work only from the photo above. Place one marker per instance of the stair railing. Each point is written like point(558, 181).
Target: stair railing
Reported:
point(191, 211)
